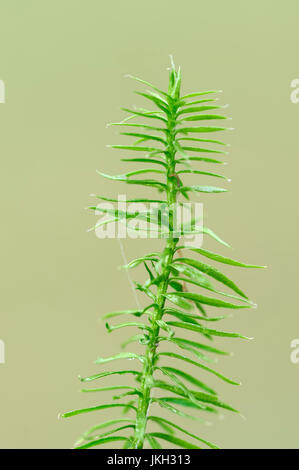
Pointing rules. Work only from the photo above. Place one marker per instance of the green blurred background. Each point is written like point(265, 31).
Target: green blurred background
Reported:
point(63, 63)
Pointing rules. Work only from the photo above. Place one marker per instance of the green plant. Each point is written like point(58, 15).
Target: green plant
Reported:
point(169, 273)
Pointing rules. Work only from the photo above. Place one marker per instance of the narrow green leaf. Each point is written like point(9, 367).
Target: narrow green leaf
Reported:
point(183, 150)
point(95, 408)
point(112, 431)
point(222, 259)
point(205, 285)
point(144, 136)
point(207, 300)
point(103, 222)
point(144, 171)
point(195, 352)
point(190, 379)
point(198, 159)
point(203, 150)
point(202, 117)
point(186, 342)
point(202, 329)
point(212, 234)
point(206, 100)
point(144, 82)
point(174, 410)
point(190, 361)
point(198, 354)
point(198, 139)
point(174, 440)
point(199, 93)
point(140, 126)
point(105, 424)
point(135, 148)
point(153, 183)
point(136, 313)
point(203, 189)
point(105, 374)
point(163, 425)
point(198, 172)
point(113, 177)
point(145, 200)
point(95, 438)
point(199, 396)
point(153, 442)
point(159, 420)
point(137, 261)
point(145, 114)
point(212, 272)
point(198, 109)
point(192, 273)
point(104, 440)
point(151, 276)
point(105, 389)
point(163, 105)
point(122, 355)
point(187, 403)
point(191, 318)
point(145, 160)
point(180, 302)
point(205, 398)
point(142, 326)
point(203, 129)
point(180, 385)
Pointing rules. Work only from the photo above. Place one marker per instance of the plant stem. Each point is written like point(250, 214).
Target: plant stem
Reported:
point(166, 260)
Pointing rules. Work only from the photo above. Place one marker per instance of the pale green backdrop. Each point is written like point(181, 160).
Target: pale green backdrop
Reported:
point(63, 63)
